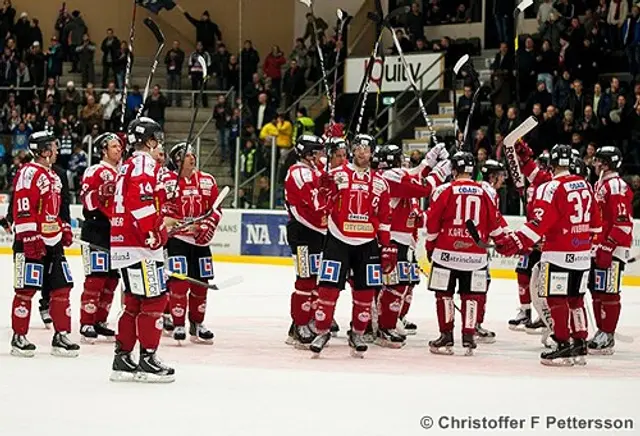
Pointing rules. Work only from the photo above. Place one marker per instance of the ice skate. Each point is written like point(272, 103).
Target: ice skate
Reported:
point(602, 344)
point(179, 334)
point(199, 334)
point(521, 319)
point(484, 336)
point(369, 336)
point(579, 351)
point(102, 329)
point(303, 337)
point(318, 344)
point(88, 334)
point(547, 339)
point(335, 328)
point(291, 340)
point(389, 338)
point(21, 347)
point(62, 346)
point(124, 368)
point(442, 345)
point(561, 356)
point(410, 328)
point(167, 325)
point(357, 344)
point(152, 370)
point(469, 344)
point(46, 318)
point(535, 327)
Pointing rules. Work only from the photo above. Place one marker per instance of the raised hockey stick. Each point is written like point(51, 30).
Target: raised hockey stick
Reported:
point(343, 21)
point(463, 63)
point(205, 77)
point(127, 74)
point(510, 151)
point(185, 224)
point(157, 33)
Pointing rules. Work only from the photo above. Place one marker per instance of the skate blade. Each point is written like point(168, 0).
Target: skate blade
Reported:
point(197, 340)
point(300, 346)
point(122, 376)
point(580, 361)
point(143, 377)
point(444, 351)
point(61, 352)
point(516, 328)
point(410, 332)
point(88, 341)
point(485, 340)
point(108, 339)
point(16, 352)
point(357, 354)
point(566, 361)
point(601, 351)
point(468, 351)
point(388, 344)
point(534, 331)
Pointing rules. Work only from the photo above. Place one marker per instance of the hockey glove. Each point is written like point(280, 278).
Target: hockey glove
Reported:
point(206, 229)
point(430, 246)
point(388, 258)
point(33, 244)
point(158, 237)
point(604, 255)
point(523, 151)
point(442, 170)
point(327, 183)
point(509, 244)
point(67, 235)
point(106, 191)
point(431, 158)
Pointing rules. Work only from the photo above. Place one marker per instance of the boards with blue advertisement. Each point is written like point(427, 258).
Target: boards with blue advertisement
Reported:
point(264, 233)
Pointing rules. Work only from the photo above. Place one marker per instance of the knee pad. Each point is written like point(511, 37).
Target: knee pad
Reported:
point(178, 288)
point(61, 294)
point(153, 306)
point(198, 291)
point(363, 297)
point(328, 295)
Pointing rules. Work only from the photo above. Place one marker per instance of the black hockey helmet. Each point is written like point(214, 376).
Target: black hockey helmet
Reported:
point(544, 160)
point(362, 139)
point(492, 166)
point(334, 144)
point(308, 144)
point(177, 153)
point(463, 162)
point(578, 167)
point(610, 156)
point(40, 142)
point(142, 129)
point(561, 156)
point(386, 156)
point(102, 141)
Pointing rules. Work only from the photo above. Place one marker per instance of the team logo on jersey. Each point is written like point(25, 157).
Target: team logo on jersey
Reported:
point(374, 275)
point(415, 272)
point(330, 271)
point(523, 263)
point(206, 267)
point(33, 275)
point(99, 261)
point(444, 257)
point(404, 271)
point(66, 271)
point(178, 264)
point(600, 280)
point(314, 264)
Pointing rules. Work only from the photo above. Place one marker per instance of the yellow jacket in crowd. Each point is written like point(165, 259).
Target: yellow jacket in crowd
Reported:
point(285, 134)
point(269, 129)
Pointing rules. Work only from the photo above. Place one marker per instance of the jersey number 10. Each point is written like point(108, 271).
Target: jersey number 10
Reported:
point(467, 208)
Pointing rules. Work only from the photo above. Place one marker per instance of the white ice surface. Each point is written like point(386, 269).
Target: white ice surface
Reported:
point(250, 383)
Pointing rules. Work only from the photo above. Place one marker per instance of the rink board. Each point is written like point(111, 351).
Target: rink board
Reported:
point(260, 237)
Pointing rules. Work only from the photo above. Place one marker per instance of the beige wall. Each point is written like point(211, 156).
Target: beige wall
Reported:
point(266, 22)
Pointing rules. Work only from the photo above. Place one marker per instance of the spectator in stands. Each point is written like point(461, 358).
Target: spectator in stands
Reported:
point(269, 131)
point(174, 60)
point(263, 200)
point(309, 32)
point(544, 10)
point(618, 11)
point(120, 64)
point(35, 60)
point(71, 100)
point(502, 11)
point(415, 23)
point(405, 43)
point(91, 113)
point(631, 39)
point(155, 106)
point(35, 33)
point(434, 14)
point(75, 29)
point(89, 90)
point(233, 71)
point(77, 165)
point(207, 32)
point(110, 100)
point(7, 17)
point(220, 67)
point(134, 101)
point(89, 140)
point(300, 54)
point(21, 137)
point(567, 10)
point(51, 126)
point(222, 116)
point(481, 145)
point(55, 57)
point(65, 147)
point(250, 59)
point(421, 46)
point(497, 122)
point(527, 69)
point(589, 125)
point(251, 93)
point(196, 73)
point(294, 83)
point(634, 182)
point(502, 74)
point(552, 30)
point(540, 96)
point(110, 48)
point(513, 119)
point(568, 127)
point(304, 124)
point(250, 160)
point(21, 30)
point(86, 60)
point(273, 64)
point(577, 98)
point(562, 91)
point(284, 140)
point(12, 105)
point(590, 21)
point(264, 112)
point(464, 107)
point(23, 80)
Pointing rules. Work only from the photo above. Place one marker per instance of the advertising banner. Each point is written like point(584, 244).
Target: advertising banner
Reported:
point(264, 234)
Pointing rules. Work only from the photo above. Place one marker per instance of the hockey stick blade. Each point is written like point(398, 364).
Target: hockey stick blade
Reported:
point(307, 3)
point(228, 283)
point(475, 235)
point(461, 62)
point(203, 65)
point(341, 14)
point(528, 125)
point(157, 33)
point(524, 5)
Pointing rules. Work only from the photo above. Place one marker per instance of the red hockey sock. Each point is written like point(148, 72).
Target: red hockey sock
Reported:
point(60, 310)
point(21, 311)
point(90, 299)
point(301, 301)
point(610, 312)
point(559, 308)
point(327, 298)
point(149, 321)
point(106, 298)
point(523, 289)
point(578, 318)
point(470, 307)
point(361, 309)
point(408, 296)
point(314, 302)
point(389, 302)
point(597, 309)
point(482, 305)
point(127, 333)
point(445, 310)
point(178, 301)
point(197, 304)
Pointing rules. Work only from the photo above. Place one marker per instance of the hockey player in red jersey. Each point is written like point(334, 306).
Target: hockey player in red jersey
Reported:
point(190, 194)
point(456, 259)
point(40, 238)
point(337, 152)
point(565, 214)
point(537, 172)
point(306, 231)
point(138, 235)
point(100, 283)
point(405, 189)
point(358, 242)
point(614, 197)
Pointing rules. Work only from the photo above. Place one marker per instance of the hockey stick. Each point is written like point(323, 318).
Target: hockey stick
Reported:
point(343, 20)
point(127, 74)
point(188, 223)
point(157, 33)
point(463, 62)
point(205, 77)
point(475, 235)
point(510, 151)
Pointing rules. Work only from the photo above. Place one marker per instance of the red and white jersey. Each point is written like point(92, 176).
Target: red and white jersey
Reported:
point(536, 177)
point(566, 215)
point(36, 203)
point(405, 188)
point(188, 198)
point(303, 201)
point(94, 177)
point(360, 209)
point(134, 212)
point(493, 194)
point(615, 199)
point(452, 204)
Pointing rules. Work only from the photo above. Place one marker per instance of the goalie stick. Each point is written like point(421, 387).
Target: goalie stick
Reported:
point(510, 151)
point(157, 33)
